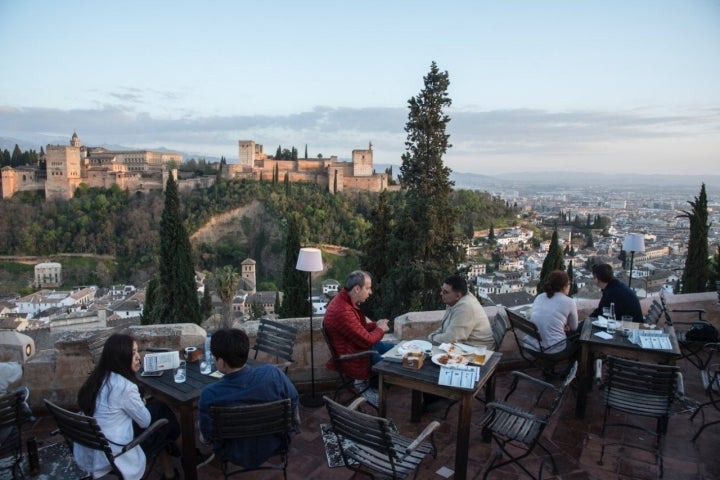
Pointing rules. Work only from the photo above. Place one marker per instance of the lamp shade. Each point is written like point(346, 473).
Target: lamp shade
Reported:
point(634, 242)
point(309, 260)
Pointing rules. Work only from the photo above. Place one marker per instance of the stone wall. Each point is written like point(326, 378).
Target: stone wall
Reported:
point(57, 373)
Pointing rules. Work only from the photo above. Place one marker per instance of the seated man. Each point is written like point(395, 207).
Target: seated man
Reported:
point(465, 319)
point(350, 331)
point(614, 291)
point(242, 385)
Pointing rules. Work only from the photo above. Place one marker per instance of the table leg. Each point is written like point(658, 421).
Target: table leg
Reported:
point(417, 406)
point(463, 436)
point(584, 379)
point(382, 394)
point(187, 427)
point(489, 397)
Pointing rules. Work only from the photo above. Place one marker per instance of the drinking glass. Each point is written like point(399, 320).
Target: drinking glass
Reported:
point(611, 326)
point(607, 312)
point(180, 373)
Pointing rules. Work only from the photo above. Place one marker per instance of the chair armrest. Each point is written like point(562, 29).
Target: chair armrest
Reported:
point(146, 433)
point(423, 435)
point(525, 376)
point(357, 402)
point(688, 310)
point(350, 356)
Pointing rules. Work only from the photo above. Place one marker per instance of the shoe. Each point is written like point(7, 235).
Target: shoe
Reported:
point(203, 459)
point(176, 475)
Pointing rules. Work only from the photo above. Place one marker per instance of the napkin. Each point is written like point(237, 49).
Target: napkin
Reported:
point(604, 335)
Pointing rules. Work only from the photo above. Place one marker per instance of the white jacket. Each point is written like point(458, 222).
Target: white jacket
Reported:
point(118, 403)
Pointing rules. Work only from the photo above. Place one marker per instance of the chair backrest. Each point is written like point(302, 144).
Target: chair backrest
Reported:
point(11, 419)
point(645, 389)
point(276, 339)
point(655, 312)
point(370, 437)
point(83, 430)
point(521, 325)
point(499, 328)
point(247, 421)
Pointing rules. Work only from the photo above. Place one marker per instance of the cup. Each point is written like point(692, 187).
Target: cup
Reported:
point(190, 354)
point(180, 373)
point(611, 326)
point(480, 354)
point(626, 321)
point(607, 312)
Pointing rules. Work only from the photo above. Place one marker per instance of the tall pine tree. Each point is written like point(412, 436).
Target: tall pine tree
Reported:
point(176, 299)
point(696, 272)
point(425, 248)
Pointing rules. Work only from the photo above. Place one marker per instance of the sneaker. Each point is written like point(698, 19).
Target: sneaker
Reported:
point(203, 459)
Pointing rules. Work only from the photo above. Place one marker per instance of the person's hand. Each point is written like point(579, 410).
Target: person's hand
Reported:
point(383, 324)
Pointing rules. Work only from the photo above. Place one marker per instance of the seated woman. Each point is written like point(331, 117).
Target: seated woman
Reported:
point(554, 313)
point(111, 395)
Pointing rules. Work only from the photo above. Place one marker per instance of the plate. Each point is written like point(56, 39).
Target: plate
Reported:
point(600, 322)
point(452, 360)
point(414, 345)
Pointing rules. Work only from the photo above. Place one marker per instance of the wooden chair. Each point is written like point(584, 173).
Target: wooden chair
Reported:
point(548, 357)
point(347, 383)
point(519, 428)
point(277, 340)
point(252, 421)
point(500, 327)
point(639, 390)
point(11, 419)
point(710, 376)
point(371, 445)
point(84, 430)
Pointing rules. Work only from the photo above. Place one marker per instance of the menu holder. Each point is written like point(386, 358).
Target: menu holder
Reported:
point(461, 376)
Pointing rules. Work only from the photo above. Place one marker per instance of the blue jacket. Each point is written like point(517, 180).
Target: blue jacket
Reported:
point(250, 385)
point(624, 298)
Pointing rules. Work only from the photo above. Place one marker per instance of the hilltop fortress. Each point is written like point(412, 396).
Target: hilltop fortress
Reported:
point(65, 167)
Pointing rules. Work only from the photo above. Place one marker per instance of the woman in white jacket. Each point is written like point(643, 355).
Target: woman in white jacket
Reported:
point(111, 395)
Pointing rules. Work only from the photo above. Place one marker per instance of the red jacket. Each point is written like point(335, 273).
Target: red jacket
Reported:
point(348, 332)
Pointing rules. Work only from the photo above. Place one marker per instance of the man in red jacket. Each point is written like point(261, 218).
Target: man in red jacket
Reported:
point(350, 331)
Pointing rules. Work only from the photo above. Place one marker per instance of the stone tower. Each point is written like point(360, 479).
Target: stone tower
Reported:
point(63, 170)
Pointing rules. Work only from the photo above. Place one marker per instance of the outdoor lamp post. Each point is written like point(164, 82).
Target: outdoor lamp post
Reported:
point(633, 242)
point(310, 260)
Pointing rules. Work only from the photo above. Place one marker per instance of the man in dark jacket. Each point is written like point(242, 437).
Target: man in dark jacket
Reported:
point(614, 291)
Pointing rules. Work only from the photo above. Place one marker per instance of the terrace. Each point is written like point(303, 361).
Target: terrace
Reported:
point(575, 443)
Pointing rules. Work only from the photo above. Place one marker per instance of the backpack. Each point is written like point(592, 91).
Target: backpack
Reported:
point(702, 332)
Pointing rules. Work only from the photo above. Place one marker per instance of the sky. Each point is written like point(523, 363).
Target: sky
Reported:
point(613, 86)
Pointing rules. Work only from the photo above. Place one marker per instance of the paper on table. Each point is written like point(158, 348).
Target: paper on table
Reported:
point(604, 335)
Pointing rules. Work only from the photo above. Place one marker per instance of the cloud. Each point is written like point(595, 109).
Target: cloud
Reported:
point(516, 133)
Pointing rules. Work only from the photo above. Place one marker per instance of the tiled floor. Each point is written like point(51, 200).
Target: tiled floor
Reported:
point(574, 443)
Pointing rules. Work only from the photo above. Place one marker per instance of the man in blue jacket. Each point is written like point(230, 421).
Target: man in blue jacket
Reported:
point(614, 291)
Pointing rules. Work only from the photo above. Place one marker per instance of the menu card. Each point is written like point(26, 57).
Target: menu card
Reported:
point(463, 376)
point(655, 339)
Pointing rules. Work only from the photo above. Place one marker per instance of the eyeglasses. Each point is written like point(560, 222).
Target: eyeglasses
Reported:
point(445, 292)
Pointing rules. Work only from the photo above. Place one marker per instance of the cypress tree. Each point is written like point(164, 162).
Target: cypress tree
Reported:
point(426, 248)
point(553, 260)
point(177, 300)
point(696, 272)
point(294, 282)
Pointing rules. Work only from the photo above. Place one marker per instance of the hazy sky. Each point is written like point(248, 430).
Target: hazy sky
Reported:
point(610, 86)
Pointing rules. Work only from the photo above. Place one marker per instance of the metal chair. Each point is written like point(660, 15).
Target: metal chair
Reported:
point(370, 444)
point(347, 383)
point(519, 428)
point(252, 421)
point(11, 419)
point(640, 389)
point(277, 340)
point(691, 340)
point(548, 357)
point(710, 375)
point(84, 430)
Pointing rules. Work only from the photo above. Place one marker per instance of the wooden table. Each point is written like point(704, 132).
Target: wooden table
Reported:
point(425, 380)
point(183, 397)
point(592, 347)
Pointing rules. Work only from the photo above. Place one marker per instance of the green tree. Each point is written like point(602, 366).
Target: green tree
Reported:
point(714, 273)
point(696, 272)
point(491, 235)
point(206, 307)
point(294, 282)
point(426, 245)
point(226, 282)
point(177, 300)
point(553, 261)
point(573, 283)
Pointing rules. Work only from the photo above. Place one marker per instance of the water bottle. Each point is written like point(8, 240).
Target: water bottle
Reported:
point(612, 310)
point(206, 364)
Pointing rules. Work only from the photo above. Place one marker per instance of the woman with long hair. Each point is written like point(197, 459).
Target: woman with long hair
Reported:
point(111, 395)
point(554, 312)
